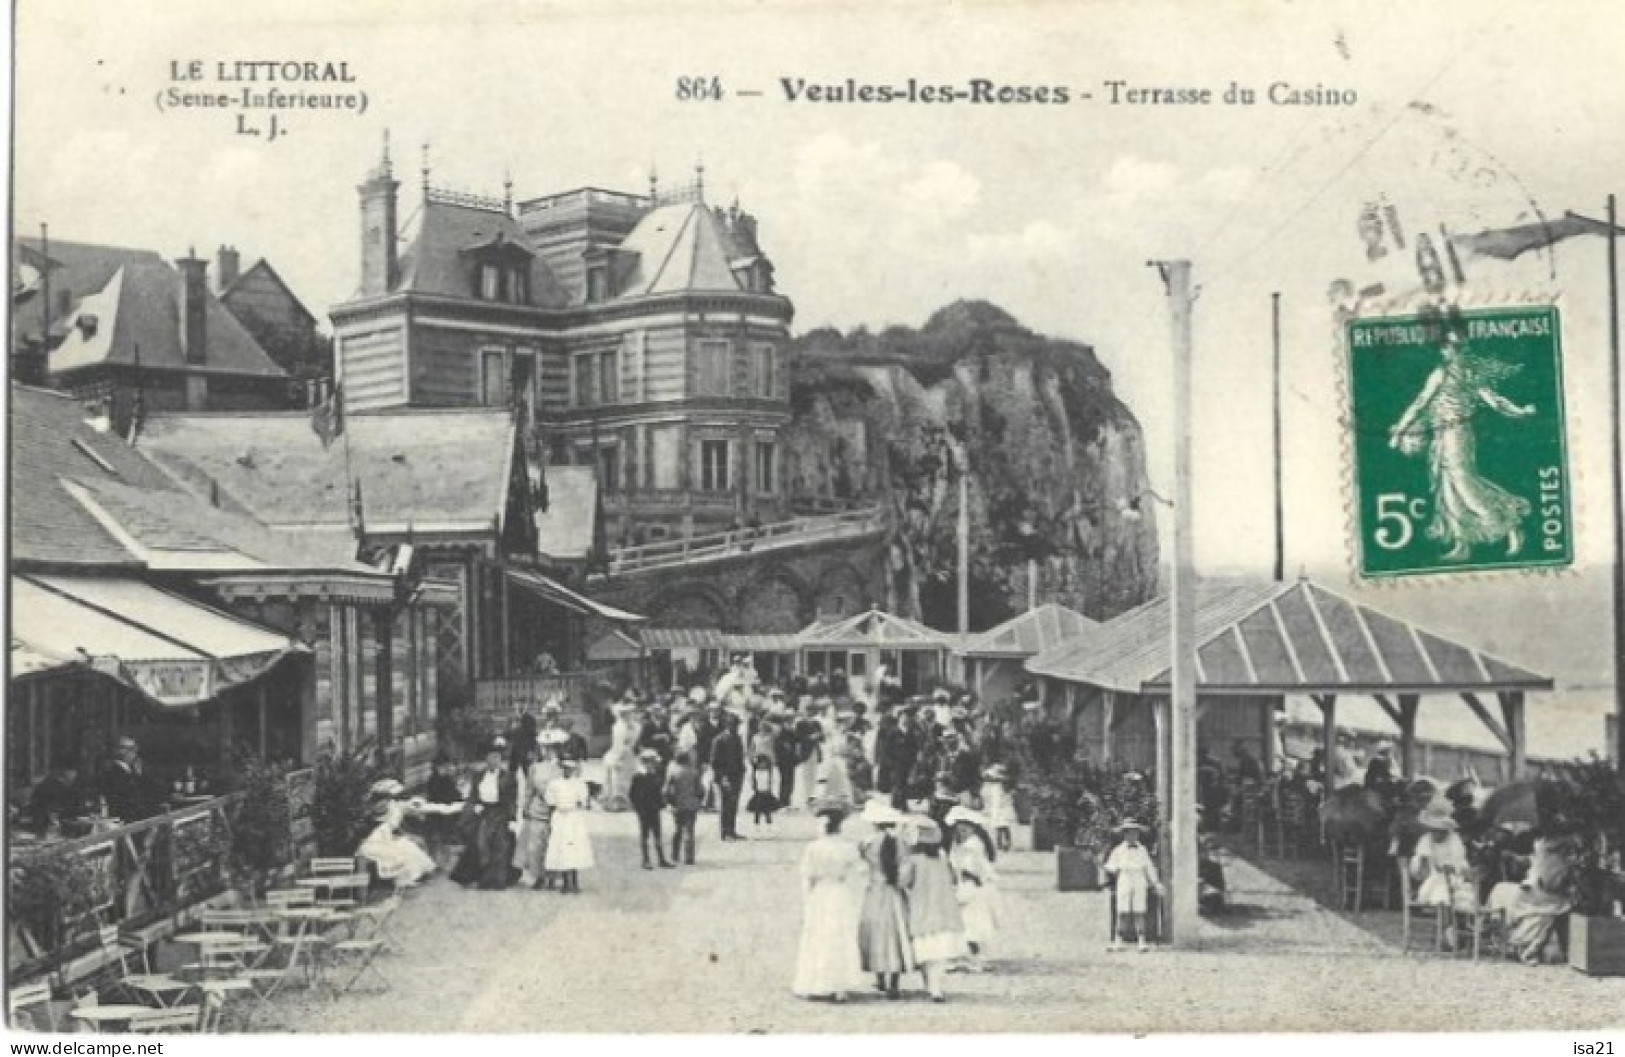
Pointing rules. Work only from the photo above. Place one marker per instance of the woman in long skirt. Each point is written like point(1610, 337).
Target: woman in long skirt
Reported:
point(621, 761)
point(536, 818)
point(971, 858)
point(935, 926)
point(397, 857)
point(569, 848)
point(883, 938)
point(828, 962)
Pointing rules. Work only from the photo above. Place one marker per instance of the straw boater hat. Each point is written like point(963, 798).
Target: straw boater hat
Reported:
point(623, 708)
point(387, 789)
point(552, 705)
point(697, 695)
point(552, 737)
point(877, 812)
point(994, 773)
point(924, 832)
point(823, 807)
point(1436, 817)
point(650, 755)
point(1031, 705)
point(1130, 824)
point(941, 694)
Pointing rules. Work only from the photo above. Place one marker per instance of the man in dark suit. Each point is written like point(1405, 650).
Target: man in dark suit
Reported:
point(575, 745)
point(647, 797)
point(728, 771)
point(684, 794)
point(492, 804)
point(125, 787)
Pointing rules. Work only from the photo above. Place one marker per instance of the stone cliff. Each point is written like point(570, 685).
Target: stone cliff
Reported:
point(1057, 467)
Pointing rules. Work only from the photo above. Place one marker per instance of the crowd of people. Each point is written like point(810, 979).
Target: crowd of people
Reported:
point(914, 896)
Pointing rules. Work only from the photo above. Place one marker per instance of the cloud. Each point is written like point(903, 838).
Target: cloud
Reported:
point(943, 190)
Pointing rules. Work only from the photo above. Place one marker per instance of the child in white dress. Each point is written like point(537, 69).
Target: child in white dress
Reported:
point(996, 803)
point(1131, 867)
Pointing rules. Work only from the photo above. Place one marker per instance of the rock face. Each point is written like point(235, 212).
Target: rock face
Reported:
point(1057, 467)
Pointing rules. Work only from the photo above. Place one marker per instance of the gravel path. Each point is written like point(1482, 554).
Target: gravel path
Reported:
point(710, 949)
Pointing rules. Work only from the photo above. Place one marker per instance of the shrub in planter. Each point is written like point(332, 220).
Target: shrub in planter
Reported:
point(1595, 810)
point(261, 842)
point(338, 811)
point(48, 893)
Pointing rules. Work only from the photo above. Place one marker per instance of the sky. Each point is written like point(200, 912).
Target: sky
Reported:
point(1468, 115)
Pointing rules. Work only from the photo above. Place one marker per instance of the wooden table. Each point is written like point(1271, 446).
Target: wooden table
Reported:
point(108, 1017)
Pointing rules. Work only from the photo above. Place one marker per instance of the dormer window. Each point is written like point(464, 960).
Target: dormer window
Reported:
point(597, 283)
point(501, 272)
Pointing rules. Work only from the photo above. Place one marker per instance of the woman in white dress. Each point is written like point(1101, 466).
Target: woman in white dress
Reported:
point(397, 857)
point(828, 963)
point(621, 762)
point(536, 816)
point(569, 848)
point(971, 858)
point(834, 780)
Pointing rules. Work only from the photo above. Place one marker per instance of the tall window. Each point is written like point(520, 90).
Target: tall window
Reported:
point(493, 378)
point(595, 377)
point(766, 456)
point(609, 468)
point(766, 375)
point(713, 465)
point(491, 283)
point(598, 283)
point(714, 368)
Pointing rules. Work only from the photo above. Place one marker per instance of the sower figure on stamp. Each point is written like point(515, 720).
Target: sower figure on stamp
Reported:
point(1467, 508)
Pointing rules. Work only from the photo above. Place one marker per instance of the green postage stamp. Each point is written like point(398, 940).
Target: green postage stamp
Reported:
point(1458, 442)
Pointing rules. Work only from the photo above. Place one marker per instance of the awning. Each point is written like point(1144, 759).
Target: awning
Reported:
point(682, 638)
point(29, 660)
point(616, 645)
point(170, 649)
point(558, 594)
point(762, 643)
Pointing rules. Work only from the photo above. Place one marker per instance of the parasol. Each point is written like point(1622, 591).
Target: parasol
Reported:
point(1517, 806)
point(1353, 813)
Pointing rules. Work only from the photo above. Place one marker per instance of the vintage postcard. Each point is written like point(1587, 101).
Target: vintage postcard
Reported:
point(799, 518)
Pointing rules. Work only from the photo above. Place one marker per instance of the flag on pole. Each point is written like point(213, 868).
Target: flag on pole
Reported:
point(1509, 243)
point(327, 417)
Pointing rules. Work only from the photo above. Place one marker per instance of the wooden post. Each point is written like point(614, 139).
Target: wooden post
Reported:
point(1512, 712)
point(1280, 521)
point(1408, 704)
point(264, 721)
point(507, 625)
point(1108, 709)
point(383, 642)
point(1160, 725)
point(1328, 731)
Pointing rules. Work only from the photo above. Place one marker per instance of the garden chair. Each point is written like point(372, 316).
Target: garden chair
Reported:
point(1458, 928)
point(1359, 875)
point(373, 919)
point(357, 957)
point(160, 988)
point(26, 1004)
point(283, 898)
point(187, 1019)
point(328, 866)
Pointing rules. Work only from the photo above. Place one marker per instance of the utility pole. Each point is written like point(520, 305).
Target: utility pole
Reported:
point(1618, 486)
point(1275, 373)
point(1180, 810)
point(963, 464)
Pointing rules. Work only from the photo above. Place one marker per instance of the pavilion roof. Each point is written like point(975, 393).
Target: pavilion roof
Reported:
point(1030, 633)
point(873, 628)
point(1292, 638)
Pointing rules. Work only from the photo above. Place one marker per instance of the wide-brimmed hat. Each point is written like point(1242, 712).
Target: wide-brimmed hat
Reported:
point(941, 694)
point(570, 761)
point(649, 755)
point(552, 705)
point(497, 745)
point(822, 807)
point(964, 814)
point(923, 832)
point(552, 737)
point(1031, 706)
point(995, 773)
point(623, 708)
point(1130, 824)
point(1436, 817)
point(387, 788)
point(877, 812)
point(698, 695)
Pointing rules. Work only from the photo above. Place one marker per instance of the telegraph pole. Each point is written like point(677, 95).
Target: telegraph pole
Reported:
point(1280, 520)
point(960, 456)
point(1619, 487)
point(1180, 810)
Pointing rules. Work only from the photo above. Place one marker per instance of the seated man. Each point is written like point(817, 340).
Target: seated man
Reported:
point(56, 797)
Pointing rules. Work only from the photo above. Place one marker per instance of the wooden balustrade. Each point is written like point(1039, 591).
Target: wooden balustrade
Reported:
point(139, 874)
point(793, 532)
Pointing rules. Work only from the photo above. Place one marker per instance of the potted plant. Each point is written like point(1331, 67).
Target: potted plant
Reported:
point(338, 812)
point(47, 895)
point(1596, 809)
point(1049, 780)
point(261, 840)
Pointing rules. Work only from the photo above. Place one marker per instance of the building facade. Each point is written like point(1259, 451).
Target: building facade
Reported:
point(639, 335)
point(136, 333)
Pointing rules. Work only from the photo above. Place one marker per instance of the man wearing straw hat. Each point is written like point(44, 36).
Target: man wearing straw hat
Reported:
point(1131, 867)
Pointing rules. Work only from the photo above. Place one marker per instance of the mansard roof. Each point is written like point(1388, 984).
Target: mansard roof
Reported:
point(679, 247)
point(444, 253)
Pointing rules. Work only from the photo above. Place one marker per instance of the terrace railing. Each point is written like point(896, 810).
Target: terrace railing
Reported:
point(795, 532)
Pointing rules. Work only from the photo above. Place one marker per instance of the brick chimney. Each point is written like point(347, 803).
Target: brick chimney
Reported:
point(194, 303)
point(230, 261)
point(380, 263)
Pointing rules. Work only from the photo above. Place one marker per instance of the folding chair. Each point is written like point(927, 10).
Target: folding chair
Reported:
point(283, 898)
point(358, 955)
point(161, 988)
point(1452, 924)
point(24, 1004)
point(376, 917)
point(326, 867)
point(186, 1019)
